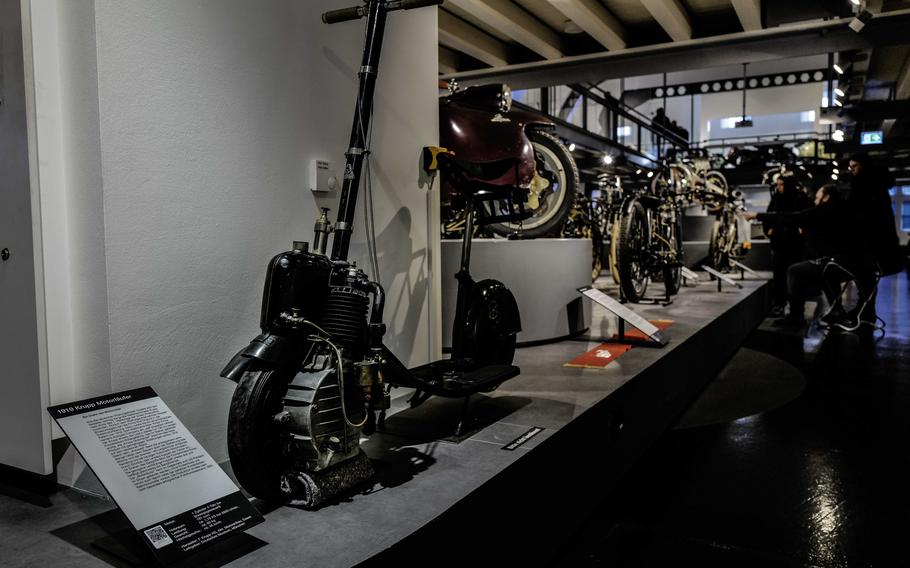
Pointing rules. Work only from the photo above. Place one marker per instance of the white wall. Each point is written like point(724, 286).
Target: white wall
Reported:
point(186, 130)
point(25, 426)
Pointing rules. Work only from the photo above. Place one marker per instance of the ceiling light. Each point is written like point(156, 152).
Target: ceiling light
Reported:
point(571, 27)
point(839, 92)
point(835, 170)
point(650, 174)
point(834, 177)
point(838, 69)
point(572, 147)
point(838, 103)
point(608, 159)
point(637, 172)
point(856, 2)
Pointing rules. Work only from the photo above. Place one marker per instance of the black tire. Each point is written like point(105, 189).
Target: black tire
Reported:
point(633, 242)
point(715, 184)
point(556, 204)
point(614, 246)
point(720, 247)
point(673, 274)
point(254, 445)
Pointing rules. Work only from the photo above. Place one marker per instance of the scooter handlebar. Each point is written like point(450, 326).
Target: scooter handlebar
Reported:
point(343, 15)
point(356, 12)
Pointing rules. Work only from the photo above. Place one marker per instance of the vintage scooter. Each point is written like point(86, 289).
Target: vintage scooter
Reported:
point(480, 125)
point(319, 374)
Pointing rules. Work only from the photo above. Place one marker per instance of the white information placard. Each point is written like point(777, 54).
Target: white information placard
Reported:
point(163, 480)
point(624, 313)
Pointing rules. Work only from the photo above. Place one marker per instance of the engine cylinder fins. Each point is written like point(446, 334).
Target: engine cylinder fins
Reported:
point(345, 319)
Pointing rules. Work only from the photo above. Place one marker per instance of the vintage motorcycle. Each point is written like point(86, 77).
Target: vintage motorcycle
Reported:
point(725, 246)
point(479, 125)
point(319, 375)
point(648, 243)
point(685, 173)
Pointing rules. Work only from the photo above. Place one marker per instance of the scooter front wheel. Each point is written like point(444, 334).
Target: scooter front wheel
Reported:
point(254, 441)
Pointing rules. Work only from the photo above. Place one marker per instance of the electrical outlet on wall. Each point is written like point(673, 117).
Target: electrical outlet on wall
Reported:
point(322, 176)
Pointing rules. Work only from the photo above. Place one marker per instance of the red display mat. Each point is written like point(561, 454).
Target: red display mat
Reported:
point(600, 356)
point(637, 335)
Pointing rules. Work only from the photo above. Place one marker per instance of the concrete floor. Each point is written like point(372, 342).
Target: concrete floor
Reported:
point(817, 482)
point(419, 474)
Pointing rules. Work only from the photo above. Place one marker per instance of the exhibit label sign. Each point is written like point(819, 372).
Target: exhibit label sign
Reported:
point(624, 313)
point(166, 484)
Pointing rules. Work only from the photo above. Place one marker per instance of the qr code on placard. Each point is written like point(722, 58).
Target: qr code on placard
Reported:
point(158, 537)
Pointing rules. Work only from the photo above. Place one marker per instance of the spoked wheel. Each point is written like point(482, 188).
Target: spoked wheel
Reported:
point(631, 251)
point(715, 184)
point(614, 246)
point(723, 239)
point(556, 166)
point(254, 442)
point(673, 273)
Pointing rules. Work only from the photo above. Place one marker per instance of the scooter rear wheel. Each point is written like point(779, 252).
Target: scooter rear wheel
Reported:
point(253, 435)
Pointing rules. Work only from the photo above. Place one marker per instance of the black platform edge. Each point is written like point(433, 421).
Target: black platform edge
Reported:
point(24, 480)
point(525, 514)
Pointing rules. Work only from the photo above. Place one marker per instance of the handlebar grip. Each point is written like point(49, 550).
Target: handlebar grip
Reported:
point(411, 4)
point(343, 15)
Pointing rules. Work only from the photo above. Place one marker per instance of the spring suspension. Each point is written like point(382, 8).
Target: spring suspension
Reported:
point(345, 319)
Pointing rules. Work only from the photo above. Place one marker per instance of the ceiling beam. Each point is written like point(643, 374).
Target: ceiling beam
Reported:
point(461, 36)
point(781, 42)
point(593, 18)
point(901, 92)
point(515, 23)
point(902, 85)
point(448, 60)
point(671, 16)
point(749, 14)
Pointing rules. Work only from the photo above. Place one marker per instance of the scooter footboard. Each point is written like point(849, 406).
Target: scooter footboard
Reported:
point(446, 378)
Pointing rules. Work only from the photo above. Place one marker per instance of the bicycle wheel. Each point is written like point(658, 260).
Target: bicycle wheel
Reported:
point(631, 253)
point(673, 272)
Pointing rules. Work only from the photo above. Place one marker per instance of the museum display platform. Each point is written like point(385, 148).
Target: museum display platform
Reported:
point(439, 501)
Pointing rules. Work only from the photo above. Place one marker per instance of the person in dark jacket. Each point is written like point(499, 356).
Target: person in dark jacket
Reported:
point(787, 238)
point(862, 247)
point(823, 226)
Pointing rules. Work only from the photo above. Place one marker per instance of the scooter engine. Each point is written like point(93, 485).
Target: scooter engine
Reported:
point(332, 398)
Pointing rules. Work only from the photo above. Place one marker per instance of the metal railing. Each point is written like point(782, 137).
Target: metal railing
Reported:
point(607, 120)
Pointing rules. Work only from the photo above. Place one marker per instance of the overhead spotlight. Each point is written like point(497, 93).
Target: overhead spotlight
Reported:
point(834, 177)
point(838, 103)
point(856, 2)
point(572, 147)
point(608, 159)
point(859, 22)
point(650, 174)
point(637, 172)
point(838, 69)
point(838, 135)
point(839, 92)
point(835, 170)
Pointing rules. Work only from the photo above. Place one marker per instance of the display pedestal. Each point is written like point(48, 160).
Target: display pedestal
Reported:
point(543, 274)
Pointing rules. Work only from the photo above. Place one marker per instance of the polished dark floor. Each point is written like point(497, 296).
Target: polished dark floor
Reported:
point(822, 481)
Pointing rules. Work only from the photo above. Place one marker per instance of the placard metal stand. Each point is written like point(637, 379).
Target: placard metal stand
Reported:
point(689, 275)
point(721, 278)
point(625, 316)
point(743, 269)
